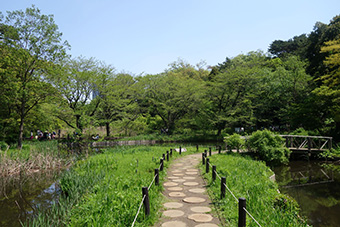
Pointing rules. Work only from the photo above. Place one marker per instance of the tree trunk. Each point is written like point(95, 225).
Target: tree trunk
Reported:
point(21, 132)
point(107, 129)
point(78, 122)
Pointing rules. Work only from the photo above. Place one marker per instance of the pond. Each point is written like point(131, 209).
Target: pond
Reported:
point(20, 196)
point(316, 189)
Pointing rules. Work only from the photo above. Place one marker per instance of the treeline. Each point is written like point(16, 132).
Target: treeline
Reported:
point(42, 87)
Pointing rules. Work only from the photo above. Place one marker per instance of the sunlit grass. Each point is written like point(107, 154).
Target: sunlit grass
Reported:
point(250, 179)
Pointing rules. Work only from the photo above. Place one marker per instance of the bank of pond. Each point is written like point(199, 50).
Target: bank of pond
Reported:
point(105, 189)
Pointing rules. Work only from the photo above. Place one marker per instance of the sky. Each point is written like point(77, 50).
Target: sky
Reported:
point(144, 37)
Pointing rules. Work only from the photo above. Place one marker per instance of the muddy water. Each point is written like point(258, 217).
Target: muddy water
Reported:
point(20, 196)
point(316, 189)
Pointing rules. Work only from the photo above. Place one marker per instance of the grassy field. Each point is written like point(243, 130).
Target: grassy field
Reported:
point(250, 179)
point(106, 189)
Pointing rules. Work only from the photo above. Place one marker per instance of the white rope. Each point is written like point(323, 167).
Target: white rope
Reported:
point(152, 182)
point(140, 206)
point(217, 175)
point(251, 216)
point(231, 192)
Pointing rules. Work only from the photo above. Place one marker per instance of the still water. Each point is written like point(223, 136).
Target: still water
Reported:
point(316, 189)
point(19, 197)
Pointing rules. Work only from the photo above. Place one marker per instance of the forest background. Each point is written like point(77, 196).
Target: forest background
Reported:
point(294, 85)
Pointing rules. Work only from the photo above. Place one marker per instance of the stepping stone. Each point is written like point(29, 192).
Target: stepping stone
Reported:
point(178, 180)
point(197, 190)
point(194, 200)
point(177, 194)
point(176, 171)
point(178, 174)
point(173, 177)
point(201, 217)
point(189, 178)
point(171, 184)
point(191, 173)
point(174, 224)
point(173, 213)
point(200, 209)
point(173, 205)
point(175, 189)
point(192, 170)
point(206, 225)
point(190, 183)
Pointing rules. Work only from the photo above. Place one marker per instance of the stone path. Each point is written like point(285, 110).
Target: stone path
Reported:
point(187, 204)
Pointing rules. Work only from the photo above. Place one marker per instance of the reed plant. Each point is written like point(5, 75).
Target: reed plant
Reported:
point(250, 179)
point(106, 189)
point(32, 157)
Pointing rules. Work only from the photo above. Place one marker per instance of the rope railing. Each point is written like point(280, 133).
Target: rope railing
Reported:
point(241, 201)
point(251, 216)
point(140, 206)
point(145, 199)
point(152, 181)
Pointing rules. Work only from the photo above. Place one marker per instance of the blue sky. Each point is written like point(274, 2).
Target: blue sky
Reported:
point(145, 36)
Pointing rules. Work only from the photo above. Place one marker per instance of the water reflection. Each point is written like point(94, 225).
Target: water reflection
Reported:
point(316, 189)
point(22, 195)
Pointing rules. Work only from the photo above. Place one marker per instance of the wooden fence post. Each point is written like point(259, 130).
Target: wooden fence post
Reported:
point(219, 149)
point(209, 151)
point(161, 164)
point(167, 155)
point(223, 181)
point(203, 161)
point(241, 212)
point(207, 166)
point(157, 176)
point(163, 156)
point(180, 150)
point(146, 201)
point(214, 173)
point(196, 147)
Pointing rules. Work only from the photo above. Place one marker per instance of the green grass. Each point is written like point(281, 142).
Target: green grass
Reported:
point(250, 179)
point(106, 189)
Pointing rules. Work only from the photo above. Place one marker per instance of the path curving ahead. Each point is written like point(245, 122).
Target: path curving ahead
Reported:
point(187, 203)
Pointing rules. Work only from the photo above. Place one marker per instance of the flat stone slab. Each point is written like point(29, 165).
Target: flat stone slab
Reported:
point(197, 190)
point(176, 171)
point(191, 183)
point(173, 177)
point(173, 213)
point(171, 184)
point(206, 225)
point(174, 224)
point(178, 180)
point(175, 189)
point(191, 173)
point(201, 217)
point(189, 178)
point(200, 209)
point(194, 200)
point(177, 194)
point(192, 170)
point(173, 205)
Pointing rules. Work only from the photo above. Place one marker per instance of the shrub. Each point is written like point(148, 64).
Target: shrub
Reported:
point(269, 147)
point(234, 141)
point(3, 145)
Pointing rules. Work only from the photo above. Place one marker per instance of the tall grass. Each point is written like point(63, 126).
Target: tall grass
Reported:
point(34, 156)
point(106, 190)
point(250, 179)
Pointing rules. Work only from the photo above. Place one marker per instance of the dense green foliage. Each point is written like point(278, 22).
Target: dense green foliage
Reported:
point(250, 179)
point(269, 147)
point(295, 85)
point(106, 189)
point(234, 142)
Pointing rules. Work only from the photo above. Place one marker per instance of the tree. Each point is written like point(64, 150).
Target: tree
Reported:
point(76, 80)
point(30, 43)
point(230, 91)
point(118, 100)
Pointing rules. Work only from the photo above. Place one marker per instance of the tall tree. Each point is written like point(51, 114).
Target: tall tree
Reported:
point(30, 43)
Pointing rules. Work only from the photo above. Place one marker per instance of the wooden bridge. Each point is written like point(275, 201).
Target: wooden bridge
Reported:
point(310, 144)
